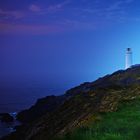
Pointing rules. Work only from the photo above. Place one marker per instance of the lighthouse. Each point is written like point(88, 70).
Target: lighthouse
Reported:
point(128, 59)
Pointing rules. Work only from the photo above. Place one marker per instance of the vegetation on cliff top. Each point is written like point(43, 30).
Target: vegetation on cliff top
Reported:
point(123, 124)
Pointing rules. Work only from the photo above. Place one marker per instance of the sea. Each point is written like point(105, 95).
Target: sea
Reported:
point(13, 100)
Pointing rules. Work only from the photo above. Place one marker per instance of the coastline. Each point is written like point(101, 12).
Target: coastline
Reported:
point(7, 128)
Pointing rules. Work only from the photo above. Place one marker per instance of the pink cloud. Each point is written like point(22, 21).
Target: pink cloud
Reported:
point(28, 29)
point(34, 8)
point(24, 29)
point(15, 14)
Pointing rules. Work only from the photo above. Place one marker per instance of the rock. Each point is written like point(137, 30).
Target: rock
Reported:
point(41, 107)
point(5, 117)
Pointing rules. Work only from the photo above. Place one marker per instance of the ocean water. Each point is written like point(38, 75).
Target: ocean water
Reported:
point(17, 99)
point(13, 100)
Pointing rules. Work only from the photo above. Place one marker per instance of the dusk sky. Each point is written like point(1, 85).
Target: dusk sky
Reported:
point(61, 43)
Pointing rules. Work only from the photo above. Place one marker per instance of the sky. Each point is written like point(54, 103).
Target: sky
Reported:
point(59, 44)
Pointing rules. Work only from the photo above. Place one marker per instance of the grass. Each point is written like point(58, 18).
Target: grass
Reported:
point(121, 125)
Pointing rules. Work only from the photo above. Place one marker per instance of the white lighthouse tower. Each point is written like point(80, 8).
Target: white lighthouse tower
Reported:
point(128, 59)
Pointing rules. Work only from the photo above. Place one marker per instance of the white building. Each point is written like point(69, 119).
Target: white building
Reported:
point(128, 59)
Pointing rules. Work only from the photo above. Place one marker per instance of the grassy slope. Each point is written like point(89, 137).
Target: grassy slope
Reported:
point(121, 125)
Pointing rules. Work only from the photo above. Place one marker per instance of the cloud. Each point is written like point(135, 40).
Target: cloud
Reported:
point(58, 6)
point(81, 17)
point(34, 8)
point(111, 12)
point(31, 11)
point(129, 1)
point(119, 4)
point(8, 14)
point(79, 25)
point(114, 6)
point(117, 10)
point(24, 29)
point(52, 8)
point(32, 29)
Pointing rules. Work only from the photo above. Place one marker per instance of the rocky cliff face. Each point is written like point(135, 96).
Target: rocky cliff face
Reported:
point(42, 107)
point(79, 105)
point(5, 117)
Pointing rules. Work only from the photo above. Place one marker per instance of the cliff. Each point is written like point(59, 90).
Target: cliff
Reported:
point(53, 116)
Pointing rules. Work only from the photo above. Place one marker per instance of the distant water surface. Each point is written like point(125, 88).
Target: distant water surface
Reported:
point(15, 100)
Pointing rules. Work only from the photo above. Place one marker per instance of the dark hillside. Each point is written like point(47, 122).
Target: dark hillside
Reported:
point(79, 106)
